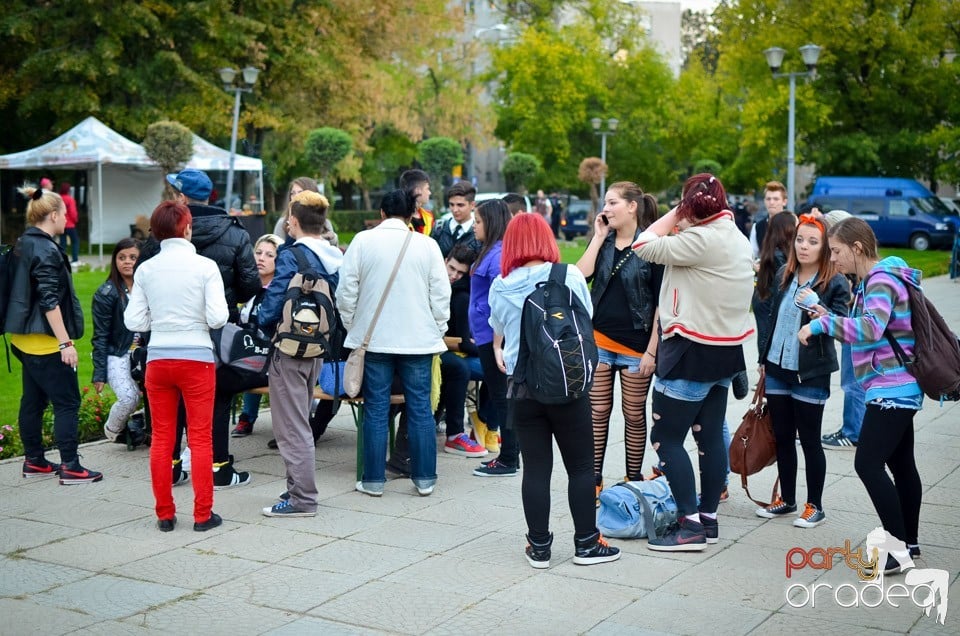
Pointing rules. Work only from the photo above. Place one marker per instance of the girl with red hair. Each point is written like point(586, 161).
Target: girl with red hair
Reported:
point(178, 297)
point(529, 252)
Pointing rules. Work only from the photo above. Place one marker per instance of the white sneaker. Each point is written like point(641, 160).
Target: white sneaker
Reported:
point(369, 491)
point(185, 458)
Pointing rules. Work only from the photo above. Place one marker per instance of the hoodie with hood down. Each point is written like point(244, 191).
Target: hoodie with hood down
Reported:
point(879, 305)
point(506, 303)
point(320, 253)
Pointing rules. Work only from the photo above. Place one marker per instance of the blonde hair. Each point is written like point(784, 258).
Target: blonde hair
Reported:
point(272, 239)
point(40, 206)
point(310, 210)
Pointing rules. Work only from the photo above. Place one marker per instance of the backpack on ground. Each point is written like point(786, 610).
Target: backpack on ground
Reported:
point(558, 356)
point(936, 350)
point(309, 324)
point(637, 509)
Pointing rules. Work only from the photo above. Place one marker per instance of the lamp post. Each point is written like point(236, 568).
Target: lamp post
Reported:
point(774, 55)
point(612, 124)
point(248, 78)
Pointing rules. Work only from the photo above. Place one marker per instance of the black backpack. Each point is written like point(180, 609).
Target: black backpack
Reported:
point(310, 325)
point(936, 349)
point(558, 356)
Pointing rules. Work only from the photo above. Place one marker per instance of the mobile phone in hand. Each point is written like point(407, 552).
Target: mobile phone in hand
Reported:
point(604, 219)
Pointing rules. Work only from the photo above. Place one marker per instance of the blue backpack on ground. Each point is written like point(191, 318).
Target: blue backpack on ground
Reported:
point(637, 509)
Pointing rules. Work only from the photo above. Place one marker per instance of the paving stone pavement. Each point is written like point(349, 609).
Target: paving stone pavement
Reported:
point(89, 559)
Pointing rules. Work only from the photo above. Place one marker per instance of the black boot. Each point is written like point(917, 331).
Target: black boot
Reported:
point(593, 549)
point(538, 553)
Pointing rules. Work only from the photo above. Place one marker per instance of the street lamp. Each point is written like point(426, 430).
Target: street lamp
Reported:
point(612, 124)
point(774, 55)
point(248, 78)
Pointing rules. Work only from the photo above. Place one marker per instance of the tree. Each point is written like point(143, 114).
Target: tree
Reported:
point(554, 79)
point(438, 156)
point(325, 148)
point(862, 114)
point(591, 172)
point(170, 145)
point(519, 169)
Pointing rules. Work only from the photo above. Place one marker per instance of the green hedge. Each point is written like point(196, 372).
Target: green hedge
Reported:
point(351, 220)
point(343, 220)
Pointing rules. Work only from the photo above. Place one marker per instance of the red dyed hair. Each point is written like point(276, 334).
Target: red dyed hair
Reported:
point(170, 220)
point(528, 238)
point(703, 196)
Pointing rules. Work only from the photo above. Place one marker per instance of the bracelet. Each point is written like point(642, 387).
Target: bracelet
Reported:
point(66, 345)
point(652, 355)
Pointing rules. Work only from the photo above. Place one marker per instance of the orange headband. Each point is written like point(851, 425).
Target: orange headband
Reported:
point(809, 219)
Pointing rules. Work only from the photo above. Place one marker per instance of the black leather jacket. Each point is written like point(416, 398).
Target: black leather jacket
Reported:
point(110, 336)
point(222, 238)
point(637, 275)
point(41, 282)
point(819, 356)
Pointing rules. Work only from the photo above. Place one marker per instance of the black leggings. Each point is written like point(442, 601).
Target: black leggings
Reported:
point(887, 439)
point(537, 425)
point(792, 417)
point(671, 419)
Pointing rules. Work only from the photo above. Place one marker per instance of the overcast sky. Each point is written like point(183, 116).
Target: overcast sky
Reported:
point(698, 5)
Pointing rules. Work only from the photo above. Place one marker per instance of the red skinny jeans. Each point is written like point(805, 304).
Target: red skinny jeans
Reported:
point(166, 382)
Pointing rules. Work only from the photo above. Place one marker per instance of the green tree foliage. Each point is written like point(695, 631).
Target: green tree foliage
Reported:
point(438, 156)
point(519, 170)
point(349, 64)
point(552, 80)
point(170, 145)
point(325, 148)
point(882, 99)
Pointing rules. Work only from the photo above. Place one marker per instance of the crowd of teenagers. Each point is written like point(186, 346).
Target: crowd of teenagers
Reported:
point(439, 301)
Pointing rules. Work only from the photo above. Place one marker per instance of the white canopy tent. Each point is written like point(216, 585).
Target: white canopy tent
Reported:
point(127, 182)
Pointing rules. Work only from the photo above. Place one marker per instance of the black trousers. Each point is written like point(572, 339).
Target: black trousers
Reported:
point(886, 439)
point(500, 411)
point(672, 418)
point(47, 380)
point(537, 426)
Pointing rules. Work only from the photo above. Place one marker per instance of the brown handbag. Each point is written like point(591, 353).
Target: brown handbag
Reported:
point(753, 446)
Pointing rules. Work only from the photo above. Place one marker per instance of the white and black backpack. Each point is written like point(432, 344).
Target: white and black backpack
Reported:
point(558, 355)
point(309, 324)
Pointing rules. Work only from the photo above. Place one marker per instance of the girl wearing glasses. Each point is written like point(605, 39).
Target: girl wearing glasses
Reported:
point(798, 375)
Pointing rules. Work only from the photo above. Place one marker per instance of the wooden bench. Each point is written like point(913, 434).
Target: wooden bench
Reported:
point(356, 408)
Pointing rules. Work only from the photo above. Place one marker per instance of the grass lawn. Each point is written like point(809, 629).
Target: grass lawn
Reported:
point(932, 262)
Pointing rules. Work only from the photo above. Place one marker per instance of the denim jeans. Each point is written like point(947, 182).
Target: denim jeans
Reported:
point(251, 406)
point(414, 372)
point(456, 372)
point(613, 359)
point(854, 398)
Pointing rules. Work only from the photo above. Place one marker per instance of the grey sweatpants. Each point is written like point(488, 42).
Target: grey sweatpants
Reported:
point(292, 381)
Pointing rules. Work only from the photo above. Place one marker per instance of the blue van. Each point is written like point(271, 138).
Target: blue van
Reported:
point(901, 212)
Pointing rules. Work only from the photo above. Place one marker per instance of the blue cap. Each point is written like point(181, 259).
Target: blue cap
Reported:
point(192, 183)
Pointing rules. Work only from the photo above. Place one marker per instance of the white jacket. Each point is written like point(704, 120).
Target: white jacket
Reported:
point(178, 297)
point(415, 313)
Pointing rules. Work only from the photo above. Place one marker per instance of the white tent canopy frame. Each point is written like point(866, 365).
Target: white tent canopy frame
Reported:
point(91, 144)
